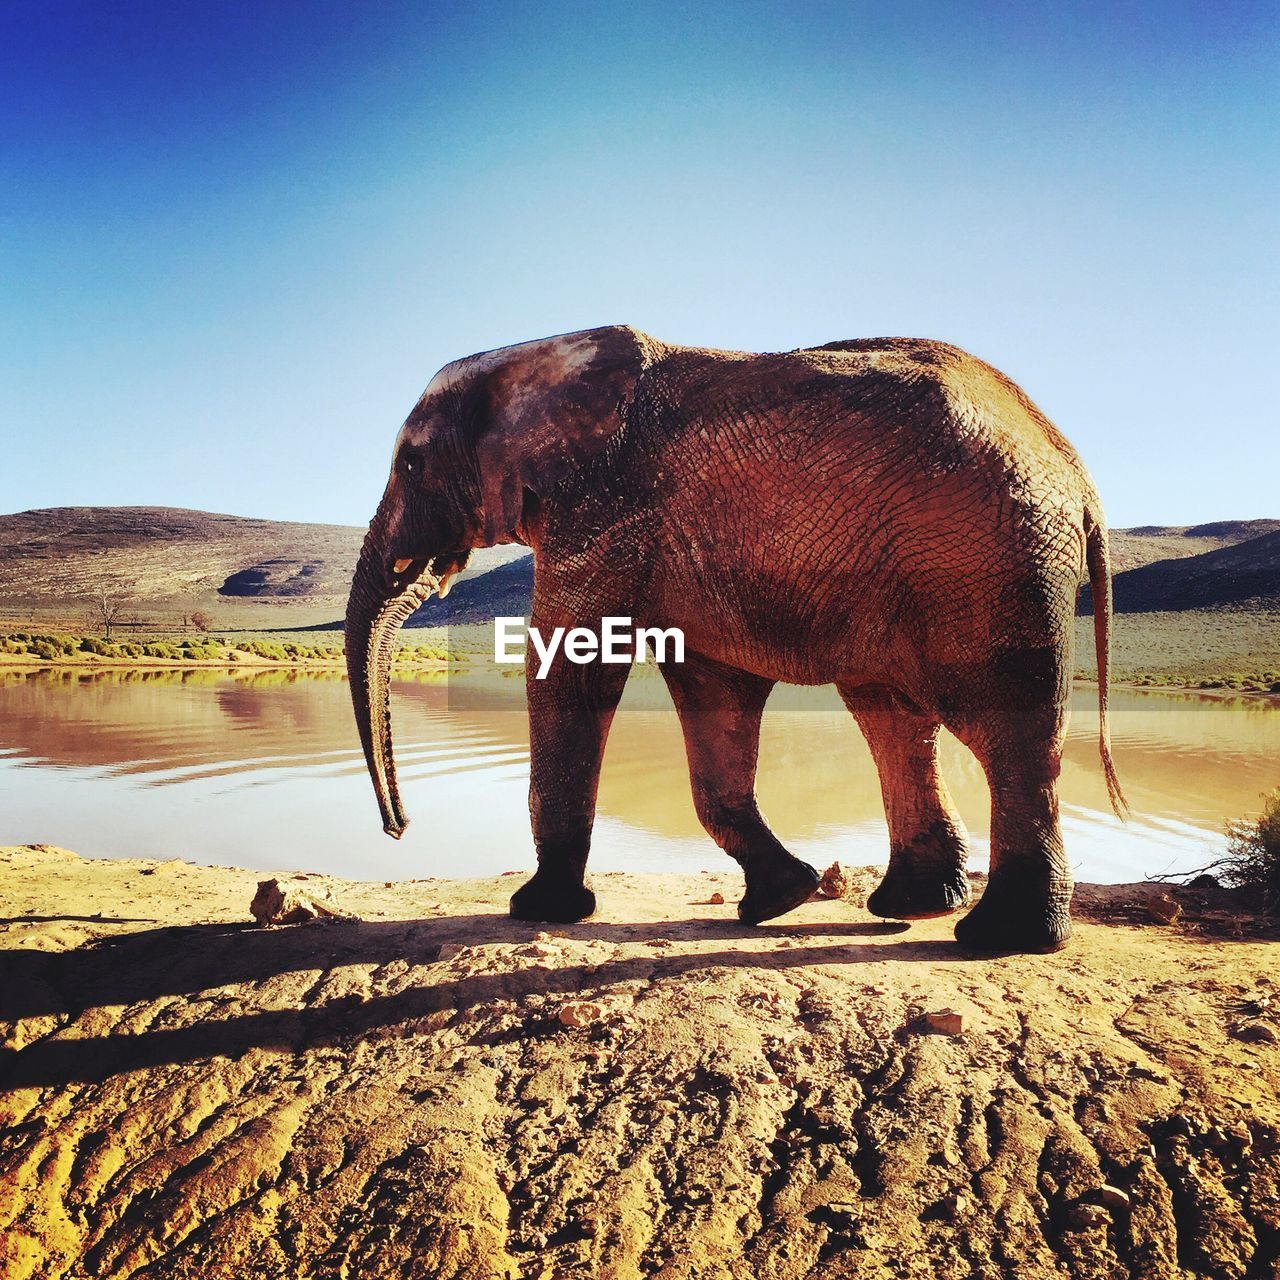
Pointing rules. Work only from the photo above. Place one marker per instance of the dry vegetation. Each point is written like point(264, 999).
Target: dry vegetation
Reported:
point(1202, 648)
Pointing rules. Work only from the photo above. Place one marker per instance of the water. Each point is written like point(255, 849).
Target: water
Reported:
point(263, 770)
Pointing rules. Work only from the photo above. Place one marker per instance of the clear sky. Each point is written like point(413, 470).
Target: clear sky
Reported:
point(236, 239)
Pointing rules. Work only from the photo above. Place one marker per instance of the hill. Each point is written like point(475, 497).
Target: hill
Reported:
point(1144, 544)
point(505, 591)
point(1247, 573)
point(1158, 568)
point(167, 562)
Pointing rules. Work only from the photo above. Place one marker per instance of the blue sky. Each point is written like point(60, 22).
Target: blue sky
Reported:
point(236, 239)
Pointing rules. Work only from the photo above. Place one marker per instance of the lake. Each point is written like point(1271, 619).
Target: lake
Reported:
point(263, 770)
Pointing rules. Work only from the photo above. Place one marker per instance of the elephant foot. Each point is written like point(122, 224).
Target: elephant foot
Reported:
point(916, 895)
point(552, 900)
point(776, 888)
point(1005, 924)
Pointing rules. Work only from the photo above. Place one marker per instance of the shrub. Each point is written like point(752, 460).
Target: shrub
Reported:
point(103, 648)
point(159, 649)
point(1252, 861)
point(266, 649)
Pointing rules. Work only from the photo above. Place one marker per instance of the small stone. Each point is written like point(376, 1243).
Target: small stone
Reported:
point(450, 951)
point(716, 900)
point(1113, 1197)
point(276, 903)
point(167, 867)
point(1087, 1216)
point(946, 1021)
point(580, 1013)
point(953, 1206)
point(834, 882)
point(1257, 1033)
point(1240, 1139)
point(1162, 909)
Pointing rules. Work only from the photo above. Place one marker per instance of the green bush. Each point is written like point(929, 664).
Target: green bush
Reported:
point(54, 646)
point(266, 649)
point(103, 648)
point(159, 649)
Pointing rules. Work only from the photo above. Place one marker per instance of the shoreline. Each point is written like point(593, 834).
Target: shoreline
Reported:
point(91, 661)
point(430, 1088)
point(465, 664)
point(1134, 687)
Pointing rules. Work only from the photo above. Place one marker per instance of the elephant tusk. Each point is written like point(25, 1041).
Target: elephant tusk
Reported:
point(442, 587)
point(401, 565)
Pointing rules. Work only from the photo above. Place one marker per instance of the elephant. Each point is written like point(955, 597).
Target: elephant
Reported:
point(892, 516)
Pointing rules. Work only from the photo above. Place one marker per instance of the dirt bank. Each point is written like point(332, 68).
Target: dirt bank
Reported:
point(186, 1095)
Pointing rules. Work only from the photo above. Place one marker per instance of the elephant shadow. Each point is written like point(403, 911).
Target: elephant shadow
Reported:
point(226, 970)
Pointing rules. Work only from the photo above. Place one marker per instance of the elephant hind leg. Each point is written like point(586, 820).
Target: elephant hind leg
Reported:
point(720, 709)
point(928, 849)
point(1016, 727)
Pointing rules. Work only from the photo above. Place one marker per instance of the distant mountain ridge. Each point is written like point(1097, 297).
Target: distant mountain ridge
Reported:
point(168, 562)
point(164, 557)
point(505, 591)
point(1243, 574)
point(1147, 543)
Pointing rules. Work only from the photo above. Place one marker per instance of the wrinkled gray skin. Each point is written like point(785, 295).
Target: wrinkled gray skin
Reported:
point(891, 516)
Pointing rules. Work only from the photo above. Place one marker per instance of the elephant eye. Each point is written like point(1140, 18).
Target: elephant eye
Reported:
point(412, 466)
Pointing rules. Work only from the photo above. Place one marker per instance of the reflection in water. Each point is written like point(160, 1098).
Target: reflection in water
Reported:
point(262, 769)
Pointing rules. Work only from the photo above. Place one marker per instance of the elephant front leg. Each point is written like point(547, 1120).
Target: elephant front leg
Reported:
point(720, 709)
point(569, 716)
point(928, 852)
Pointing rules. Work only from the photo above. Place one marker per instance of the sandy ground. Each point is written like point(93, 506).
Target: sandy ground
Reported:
point(187, 1095)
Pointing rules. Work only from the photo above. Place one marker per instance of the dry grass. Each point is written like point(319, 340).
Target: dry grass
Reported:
point(1199, 648)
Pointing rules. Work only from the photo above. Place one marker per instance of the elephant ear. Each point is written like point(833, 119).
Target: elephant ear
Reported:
point(546, 408)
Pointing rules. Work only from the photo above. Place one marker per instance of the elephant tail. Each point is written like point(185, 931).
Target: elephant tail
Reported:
point(1098, 558)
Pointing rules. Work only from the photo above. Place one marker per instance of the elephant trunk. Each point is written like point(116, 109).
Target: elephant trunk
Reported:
point(378, 606)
